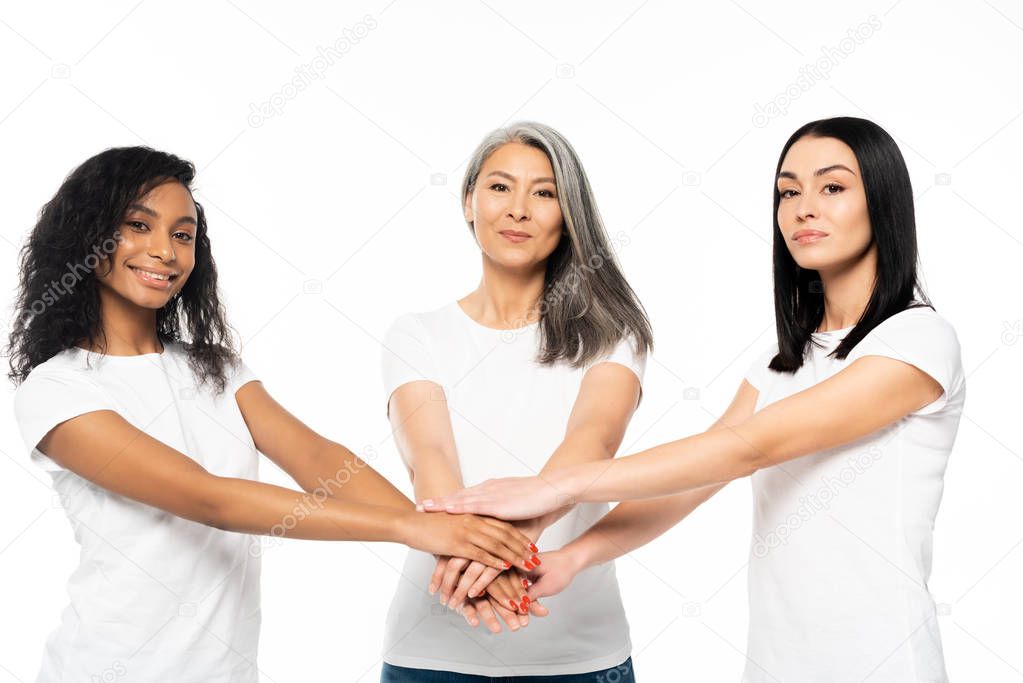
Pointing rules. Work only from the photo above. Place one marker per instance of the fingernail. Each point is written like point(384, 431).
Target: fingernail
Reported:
point(527, 565)
point(428, 501)
point(449, 508)
point(532, 546)
point(525, 599)
point(525, 607)
point(513, 605)
point(433, 588)
point(420, 508)
point(471, 594)
point(507, 564)
point(535, 560)
point(525, 584)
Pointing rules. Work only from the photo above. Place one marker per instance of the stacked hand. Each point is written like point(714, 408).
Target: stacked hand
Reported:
point(482, 593)
point(509, 498)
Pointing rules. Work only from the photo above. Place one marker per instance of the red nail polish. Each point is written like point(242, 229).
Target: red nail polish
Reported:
point(507, 564)
point(525, 584)
point(525, 599)
point(535, 560)
point(513, 605)
point(527, 565)
point(532, 546)
point(525, 607)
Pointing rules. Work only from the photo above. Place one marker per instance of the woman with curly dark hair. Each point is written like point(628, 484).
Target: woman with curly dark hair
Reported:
point(132, 397)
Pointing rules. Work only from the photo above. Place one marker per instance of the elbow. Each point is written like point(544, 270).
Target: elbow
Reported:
point(210, 506)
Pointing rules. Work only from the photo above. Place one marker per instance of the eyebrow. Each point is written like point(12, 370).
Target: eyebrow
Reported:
point(512, 178)
point(818, 172)
point(149, 212)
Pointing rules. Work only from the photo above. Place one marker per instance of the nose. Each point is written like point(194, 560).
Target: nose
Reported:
point(160, 246)
point(518, 209)
point(807, 207)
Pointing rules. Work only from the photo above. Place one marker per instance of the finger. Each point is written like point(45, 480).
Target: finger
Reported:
point(510, 617)
point(505, 556)
point(538, 610)
point(486, 612)
point(501, 592)
point(443, 503)
point(483, 581)
point(438, 574)
point(451, 574)
point(470, 614)
point(465, 582)
point(501, 544)
point(512, 534)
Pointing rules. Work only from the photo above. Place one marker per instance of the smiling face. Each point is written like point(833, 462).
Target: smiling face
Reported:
point(822, 209)
point(156, 251)
point(514, 207)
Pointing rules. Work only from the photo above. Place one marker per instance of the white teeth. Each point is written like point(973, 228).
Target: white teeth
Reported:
point(155, 276)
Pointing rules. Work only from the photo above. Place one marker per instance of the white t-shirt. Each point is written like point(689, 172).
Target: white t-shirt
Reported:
point(508, 414)
point(155, 597)
point(841, 550)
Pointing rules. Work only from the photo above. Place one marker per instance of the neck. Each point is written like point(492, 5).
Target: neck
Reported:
point(847, 291)
point(506, 298)
point(125, 328)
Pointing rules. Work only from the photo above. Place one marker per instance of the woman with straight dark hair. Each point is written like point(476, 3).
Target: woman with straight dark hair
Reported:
point(539, 368)
point(133, 399)
point(846, 425)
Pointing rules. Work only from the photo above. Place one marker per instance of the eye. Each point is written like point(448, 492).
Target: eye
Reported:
point(500, 187)
point(545, 193)
point(184, 236)
point(833, 188)
point(138, 226)
point(785, 194)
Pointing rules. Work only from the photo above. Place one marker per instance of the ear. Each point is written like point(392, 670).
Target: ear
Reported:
point(467, 211)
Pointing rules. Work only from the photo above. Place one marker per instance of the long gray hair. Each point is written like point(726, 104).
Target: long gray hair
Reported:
point(587, 306)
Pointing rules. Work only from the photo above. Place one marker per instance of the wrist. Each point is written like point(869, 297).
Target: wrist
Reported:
point(570, 483)
point(399, 530)
point(580, 554)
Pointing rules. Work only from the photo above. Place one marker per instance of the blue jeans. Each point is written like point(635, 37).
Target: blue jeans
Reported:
point(623, 673)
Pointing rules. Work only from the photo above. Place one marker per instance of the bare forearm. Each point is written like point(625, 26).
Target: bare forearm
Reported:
point(434, 474)
point(578, 448)
point(253, 507)
point(344, 476)
point(635, 523)
point(714, 457)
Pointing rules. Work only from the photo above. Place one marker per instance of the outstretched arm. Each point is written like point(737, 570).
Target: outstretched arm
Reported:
point(869, 394)
point(633, 524)
point(104, 448)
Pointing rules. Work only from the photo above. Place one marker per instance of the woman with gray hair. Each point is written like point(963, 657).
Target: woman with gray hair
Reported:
point(538, 368)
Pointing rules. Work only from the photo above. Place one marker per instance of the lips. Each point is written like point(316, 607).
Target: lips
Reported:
point(808, 236)
point(159, 279)
point(515, 235)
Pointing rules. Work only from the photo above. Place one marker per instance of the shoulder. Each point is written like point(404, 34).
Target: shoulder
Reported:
point(909, 330)
point(423, 325)
point(67, 367)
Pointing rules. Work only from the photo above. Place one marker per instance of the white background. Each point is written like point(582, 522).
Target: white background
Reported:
point(328, 220)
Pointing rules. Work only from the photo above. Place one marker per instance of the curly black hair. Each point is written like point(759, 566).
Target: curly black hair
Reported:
point(78, 227)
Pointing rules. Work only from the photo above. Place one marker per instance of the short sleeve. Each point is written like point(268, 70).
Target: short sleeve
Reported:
point(240, 375)
point(923, 339)
point(758, 373)
point(44, 400)
point(624, 353)
point(406, 355)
